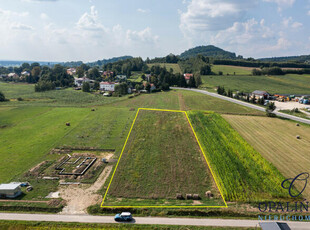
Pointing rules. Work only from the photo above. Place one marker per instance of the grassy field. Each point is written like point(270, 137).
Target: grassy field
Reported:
point(243, 174)
point(25, 225)
point(56, 98)
point(276, 140)
point(232, 70)
point(285, 84)
point(161, 159)
point(294, 113)
point(176, 68)
point(28, 134)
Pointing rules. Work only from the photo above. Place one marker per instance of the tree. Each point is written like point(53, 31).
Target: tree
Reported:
point(205, 70)
point(148, 87)
point(86, 87)
point(121, 89)
point(192, 82)
point(2, 97)
point(80, 71)
point(94, 74)
point(96, 85)
point(198, 80)
point(35, 72)
point(42, 86)
point(270, 108)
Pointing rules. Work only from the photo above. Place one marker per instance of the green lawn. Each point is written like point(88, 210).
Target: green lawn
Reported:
point(161, 158)
point(284, 84)
point(176, 68)
point(28, 134)
point(231, 70)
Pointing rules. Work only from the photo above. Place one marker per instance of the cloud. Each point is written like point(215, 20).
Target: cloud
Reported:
point(20, 26)
point(213, 15)
point(289, 22)
point(145, 36)
point(89, 21)
point(143, 10)
point(308, 13)
point(282, 3)
point(44, 16)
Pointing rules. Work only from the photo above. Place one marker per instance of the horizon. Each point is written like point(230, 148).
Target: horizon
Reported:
point(63, 31)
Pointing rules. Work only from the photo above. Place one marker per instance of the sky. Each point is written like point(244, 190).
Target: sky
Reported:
point(90, 30)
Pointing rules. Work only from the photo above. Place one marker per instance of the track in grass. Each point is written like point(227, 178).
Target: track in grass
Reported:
point(161, 158)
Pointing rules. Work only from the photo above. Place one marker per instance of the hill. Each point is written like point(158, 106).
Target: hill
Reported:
point(210, 51)
point(96, 63)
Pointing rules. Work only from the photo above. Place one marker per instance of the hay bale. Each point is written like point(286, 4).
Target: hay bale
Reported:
point(179, 196)
point(196, 197)
point(297, 124)
point(298, 137)
point(209, 194)
point(68, 124)
point(189, 196)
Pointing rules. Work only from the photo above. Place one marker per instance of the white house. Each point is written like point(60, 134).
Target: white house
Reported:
point(79, 81)
point(25, 73)
point(107, 86)
point(10, 190)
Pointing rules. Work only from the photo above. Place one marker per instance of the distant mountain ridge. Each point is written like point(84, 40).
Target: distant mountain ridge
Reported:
point(209, 51)
point(301, 59)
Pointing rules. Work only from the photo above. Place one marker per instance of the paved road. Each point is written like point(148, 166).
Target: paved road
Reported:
point(298, 119)
point(143, 220)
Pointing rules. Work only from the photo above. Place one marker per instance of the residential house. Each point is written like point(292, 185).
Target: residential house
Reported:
point(152, 86)
point(25, 73)
point(71, 71)
point(10, 190)
point(188, 76)
point(107, 86)
point(79, 81)
point(13, 76)
point(260, 94)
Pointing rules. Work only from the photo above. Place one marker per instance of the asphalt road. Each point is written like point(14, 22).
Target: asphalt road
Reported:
point(298, 119)
point(144, 220)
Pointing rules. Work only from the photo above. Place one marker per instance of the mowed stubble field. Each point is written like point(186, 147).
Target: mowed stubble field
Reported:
point(162, 158)
point(276, 141)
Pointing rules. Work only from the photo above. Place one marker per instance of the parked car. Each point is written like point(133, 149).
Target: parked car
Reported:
point(124, 216)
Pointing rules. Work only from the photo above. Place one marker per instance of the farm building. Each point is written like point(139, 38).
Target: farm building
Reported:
point(10, 190)
point(260, 94)
point(107, 86)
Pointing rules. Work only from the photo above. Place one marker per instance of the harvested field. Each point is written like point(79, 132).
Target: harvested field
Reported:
point(276, 140)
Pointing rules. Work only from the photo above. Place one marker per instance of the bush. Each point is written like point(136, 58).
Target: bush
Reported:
point(42, 86)
point(86, 87)
point(20, 99)
point(2, 97)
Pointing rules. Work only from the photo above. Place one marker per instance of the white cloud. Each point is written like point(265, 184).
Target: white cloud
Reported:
point(296, 25)
point(213, 15)
point(89, 21)
point(308, 13)
point(282, 3)
point(145, 36)
point(44, 16)
point(142, 10)
point(289, 22)
point(20, 26)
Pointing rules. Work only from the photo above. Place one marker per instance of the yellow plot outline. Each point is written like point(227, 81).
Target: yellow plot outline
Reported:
point(159, 206)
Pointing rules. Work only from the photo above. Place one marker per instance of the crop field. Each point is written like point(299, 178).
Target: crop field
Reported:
point(275, 140)
point(161, 159)
point(232, 70)
point(284, 84)
point(242, 173)
point(176, 68)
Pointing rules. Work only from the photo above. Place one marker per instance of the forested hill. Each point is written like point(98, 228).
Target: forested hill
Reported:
point(97, 63)
point(301, 59)
point(209, 51)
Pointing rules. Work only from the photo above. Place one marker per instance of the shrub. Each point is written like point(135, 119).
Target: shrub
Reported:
point(2, 97)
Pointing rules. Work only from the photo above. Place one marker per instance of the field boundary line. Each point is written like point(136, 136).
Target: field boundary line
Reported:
point(162, 206)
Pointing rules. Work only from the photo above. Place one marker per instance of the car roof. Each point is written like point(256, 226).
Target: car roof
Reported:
point(125, 214)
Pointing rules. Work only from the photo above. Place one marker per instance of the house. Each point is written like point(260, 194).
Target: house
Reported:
point(13, 76)
point(108, 74)
point(152, 86)
point(25, 73)
point(10, 190)
point(260, 94)
point(107, 86)
point(79, 81)
point(71, 71)
point(121, 77)
point(188, 76)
